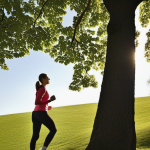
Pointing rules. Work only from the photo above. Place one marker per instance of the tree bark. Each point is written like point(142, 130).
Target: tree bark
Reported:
point(114, 126)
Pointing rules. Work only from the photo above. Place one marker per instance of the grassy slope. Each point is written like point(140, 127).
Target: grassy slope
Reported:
point(74, 126)
point(142, 122)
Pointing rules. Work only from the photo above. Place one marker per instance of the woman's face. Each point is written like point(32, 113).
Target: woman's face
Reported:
point(46, 80)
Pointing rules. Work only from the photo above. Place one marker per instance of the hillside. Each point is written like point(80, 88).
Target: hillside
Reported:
point(74, 126)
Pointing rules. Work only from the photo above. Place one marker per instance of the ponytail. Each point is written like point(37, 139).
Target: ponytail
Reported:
point(37, 85)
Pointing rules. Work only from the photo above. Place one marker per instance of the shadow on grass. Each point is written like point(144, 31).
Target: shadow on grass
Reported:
point(143, 138)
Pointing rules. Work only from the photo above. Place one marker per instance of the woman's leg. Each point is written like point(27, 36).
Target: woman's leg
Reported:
point(51, 126)
point(36, 130)
point(49, 123)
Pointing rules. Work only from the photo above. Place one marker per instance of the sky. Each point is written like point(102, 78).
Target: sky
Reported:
point(17, 85)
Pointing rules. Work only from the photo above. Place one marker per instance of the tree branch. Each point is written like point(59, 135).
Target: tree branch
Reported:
point(78, 41)
point(79, 20)
point(40, 12)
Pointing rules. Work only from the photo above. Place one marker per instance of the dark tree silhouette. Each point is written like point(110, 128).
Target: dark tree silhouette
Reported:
point(114, 126)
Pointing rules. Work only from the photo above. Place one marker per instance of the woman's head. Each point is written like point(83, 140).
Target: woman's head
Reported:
point(44, 79)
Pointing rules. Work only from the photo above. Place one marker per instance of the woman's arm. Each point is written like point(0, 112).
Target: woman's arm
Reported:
point(40, 93)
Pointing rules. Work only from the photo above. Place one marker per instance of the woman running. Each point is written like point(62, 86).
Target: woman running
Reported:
point(40, 115)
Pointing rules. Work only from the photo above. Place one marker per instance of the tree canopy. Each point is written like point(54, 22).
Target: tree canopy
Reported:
point(37, 25)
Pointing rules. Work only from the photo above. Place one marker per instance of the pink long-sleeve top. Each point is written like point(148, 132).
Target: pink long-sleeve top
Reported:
point(41, 101)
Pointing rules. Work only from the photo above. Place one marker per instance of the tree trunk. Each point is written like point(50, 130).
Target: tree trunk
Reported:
point(114, 126)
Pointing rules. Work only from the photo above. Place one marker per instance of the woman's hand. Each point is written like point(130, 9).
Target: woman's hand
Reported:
point(52, 98)
point(49, 107)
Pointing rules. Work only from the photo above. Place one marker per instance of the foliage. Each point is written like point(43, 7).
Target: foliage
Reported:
point(137, 34)
point(144, 18)
point(37, 25)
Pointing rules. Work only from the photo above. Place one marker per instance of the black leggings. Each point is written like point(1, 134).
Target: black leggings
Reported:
point(39, 117)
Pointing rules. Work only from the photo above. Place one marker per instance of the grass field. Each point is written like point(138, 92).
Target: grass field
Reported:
point(74, 126)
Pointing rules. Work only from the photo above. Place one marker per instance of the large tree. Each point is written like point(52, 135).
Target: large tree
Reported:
point(114, 126)
point(37, 25)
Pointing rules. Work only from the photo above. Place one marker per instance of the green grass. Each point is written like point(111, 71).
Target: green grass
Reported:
point(74, 126)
